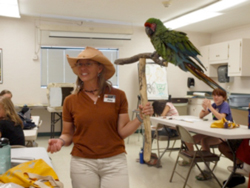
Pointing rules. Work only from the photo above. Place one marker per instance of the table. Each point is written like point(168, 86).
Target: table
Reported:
point(197, 125)
point(19, 155)
point(31, 134)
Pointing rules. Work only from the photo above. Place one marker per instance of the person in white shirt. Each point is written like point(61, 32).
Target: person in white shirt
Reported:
point(162, 108)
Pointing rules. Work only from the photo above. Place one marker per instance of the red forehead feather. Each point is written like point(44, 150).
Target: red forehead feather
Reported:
point(147, 24)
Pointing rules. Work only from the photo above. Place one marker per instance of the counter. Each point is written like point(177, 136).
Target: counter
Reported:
point(190, 95)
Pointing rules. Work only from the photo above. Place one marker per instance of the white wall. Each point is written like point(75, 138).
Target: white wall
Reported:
point(19, 40)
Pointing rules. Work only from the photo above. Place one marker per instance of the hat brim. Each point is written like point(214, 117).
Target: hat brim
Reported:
point(109, 67)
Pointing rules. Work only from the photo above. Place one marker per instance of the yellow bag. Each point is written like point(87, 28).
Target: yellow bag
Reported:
point(223, 123)
point(36, 173)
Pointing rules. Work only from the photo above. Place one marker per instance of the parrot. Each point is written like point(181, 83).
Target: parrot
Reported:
point(176, 48)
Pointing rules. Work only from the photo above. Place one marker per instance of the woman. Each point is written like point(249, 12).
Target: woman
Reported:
point(6, 93)
point(219, 109)
point(95, 119)
point(11, 126)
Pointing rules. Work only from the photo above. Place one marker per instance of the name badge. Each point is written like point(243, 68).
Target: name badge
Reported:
point(109, 98)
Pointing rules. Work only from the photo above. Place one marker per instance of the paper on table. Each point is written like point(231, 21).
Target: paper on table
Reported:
point(190, 120)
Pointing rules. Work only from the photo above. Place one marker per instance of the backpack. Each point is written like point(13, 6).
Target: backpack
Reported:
point(24, 114)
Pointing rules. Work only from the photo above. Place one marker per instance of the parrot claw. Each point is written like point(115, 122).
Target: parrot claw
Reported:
point(164, 63)
point(155, 55)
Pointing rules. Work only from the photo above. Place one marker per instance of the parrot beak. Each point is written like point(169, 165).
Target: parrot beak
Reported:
point(149, 31)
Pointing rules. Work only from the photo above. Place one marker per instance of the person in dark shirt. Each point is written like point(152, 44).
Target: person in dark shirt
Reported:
point(11, 126)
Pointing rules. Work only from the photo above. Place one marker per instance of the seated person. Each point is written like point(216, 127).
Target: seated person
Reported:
point(11, 126)
point(242, 161)
point(162, 108)
point(220, 109)
point(6, 93)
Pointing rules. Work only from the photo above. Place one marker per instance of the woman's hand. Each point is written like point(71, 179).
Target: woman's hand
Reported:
point(146, 110)
point(54, 145)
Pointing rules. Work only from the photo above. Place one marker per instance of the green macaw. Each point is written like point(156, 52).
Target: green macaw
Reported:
point(176, 48)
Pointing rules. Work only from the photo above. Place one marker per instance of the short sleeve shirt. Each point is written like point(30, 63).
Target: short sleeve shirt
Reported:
point(172, 110)
point(223, 109)
point(96, 123)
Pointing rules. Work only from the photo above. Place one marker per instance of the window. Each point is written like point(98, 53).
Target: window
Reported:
point(55, 67)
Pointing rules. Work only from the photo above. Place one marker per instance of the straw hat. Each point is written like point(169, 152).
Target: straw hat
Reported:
point(96, 55)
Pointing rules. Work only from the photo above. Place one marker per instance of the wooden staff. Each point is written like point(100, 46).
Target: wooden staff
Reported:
point(146, 118)
point(143, 91)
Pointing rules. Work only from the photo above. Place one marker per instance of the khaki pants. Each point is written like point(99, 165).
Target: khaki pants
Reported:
point(109, 172)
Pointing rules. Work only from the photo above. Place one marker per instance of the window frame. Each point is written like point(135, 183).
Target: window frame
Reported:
point(50, 74)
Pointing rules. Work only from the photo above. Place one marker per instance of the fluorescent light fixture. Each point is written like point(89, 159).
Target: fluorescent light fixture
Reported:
point(188, 19)
point(222, 5)
point(202, 14)
point(107, 36)
point(9, 8)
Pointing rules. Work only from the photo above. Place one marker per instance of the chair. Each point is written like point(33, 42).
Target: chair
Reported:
point(33, 143)
point(40, 124)
point(194, 157)
point(56, 93)
point(168, 138)
point(213, 147)
point(159, 106)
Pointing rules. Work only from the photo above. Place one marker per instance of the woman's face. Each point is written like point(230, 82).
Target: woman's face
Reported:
point(88, 70)
point(218, 99)
point(2, 112)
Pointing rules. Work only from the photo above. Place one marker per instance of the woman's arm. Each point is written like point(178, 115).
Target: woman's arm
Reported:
point(67, 133)
point(127, 127)
point(55, 145)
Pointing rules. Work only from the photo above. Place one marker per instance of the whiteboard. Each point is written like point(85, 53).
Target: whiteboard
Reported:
point(157, 84)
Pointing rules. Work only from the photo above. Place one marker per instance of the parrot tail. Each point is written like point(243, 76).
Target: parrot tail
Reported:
point(200, 75)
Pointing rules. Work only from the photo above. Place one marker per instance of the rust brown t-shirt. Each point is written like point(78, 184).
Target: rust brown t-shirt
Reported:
point(96, 124)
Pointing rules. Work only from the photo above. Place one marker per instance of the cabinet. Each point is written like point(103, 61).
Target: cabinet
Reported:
point(218, 53)
point(239, 58)
point(210, 70)
point(204, 57)
point(235, 53)
point(195, 107)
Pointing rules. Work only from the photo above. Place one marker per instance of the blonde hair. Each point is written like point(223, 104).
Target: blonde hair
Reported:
point(102, 83)
point(10, 113)
point(3, 92)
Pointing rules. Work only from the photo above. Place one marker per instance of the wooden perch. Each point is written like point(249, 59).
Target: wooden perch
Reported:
point(146, 118)
point(143, 91)
point(154, 56)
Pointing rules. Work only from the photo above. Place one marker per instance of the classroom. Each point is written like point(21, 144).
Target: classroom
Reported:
point(24, 40)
